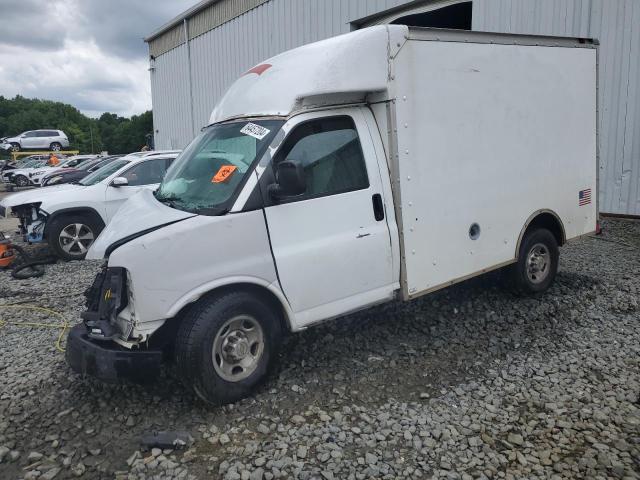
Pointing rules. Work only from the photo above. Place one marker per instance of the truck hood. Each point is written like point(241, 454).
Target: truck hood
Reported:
point(141, 214)
point(38, 196)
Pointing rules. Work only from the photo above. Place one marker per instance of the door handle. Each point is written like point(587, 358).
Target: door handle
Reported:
point(378, 207)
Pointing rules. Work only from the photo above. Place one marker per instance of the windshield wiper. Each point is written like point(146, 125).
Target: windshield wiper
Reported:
point(167, 198)
point(210, 210)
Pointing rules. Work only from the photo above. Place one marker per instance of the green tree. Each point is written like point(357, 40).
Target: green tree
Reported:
point(110, 132)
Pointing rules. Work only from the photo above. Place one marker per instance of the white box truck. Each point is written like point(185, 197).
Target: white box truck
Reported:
point(382, 164)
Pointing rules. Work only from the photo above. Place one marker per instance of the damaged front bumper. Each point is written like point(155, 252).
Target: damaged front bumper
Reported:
point(100, 346)
point(32, 221)
point(109, 361)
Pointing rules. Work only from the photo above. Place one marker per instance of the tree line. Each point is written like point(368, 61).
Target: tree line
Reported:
point(110, 132)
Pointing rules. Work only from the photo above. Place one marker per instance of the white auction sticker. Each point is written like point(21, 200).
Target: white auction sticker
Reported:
point(256, 131)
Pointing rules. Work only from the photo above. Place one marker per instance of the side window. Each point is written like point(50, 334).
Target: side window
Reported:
point(330, 152)
point(29, 134)
point(146, 173)
point(43, 133)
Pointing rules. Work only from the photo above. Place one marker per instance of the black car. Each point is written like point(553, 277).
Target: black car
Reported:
point(72, 175)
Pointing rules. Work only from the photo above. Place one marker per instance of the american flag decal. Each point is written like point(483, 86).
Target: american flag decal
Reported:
point(584, 197)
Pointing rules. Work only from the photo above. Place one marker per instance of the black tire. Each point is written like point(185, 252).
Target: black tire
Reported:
point(21, 180)
point(55, 147)
point(59, 242)
point(199, 333)
point(15, 147)
point(537, 264)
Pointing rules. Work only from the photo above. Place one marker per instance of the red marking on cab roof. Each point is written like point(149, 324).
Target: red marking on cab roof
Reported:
point(259, 69)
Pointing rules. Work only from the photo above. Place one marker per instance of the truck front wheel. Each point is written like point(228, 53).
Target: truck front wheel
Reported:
point(225, 346)
point(537, 263)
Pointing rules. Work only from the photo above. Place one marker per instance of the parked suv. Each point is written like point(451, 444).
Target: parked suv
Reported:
point(71, 216)
point(54, 140)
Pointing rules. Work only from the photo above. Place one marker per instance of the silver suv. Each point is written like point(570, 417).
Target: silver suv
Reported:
point(54, 140)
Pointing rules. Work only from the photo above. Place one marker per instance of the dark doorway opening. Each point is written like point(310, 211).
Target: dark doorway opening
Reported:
point(454, 16)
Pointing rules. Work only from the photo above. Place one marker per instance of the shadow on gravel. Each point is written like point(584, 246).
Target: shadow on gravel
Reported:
point(400, 350)
point(406, 351)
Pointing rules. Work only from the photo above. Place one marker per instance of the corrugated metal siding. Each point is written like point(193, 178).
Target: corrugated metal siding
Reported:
point(171, 115)
point(168, 41)
point(218, 13)
point(617, 25)
point(206, 19)
point(220, 55)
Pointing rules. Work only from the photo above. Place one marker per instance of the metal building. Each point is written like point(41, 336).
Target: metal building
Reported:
point(197, 55)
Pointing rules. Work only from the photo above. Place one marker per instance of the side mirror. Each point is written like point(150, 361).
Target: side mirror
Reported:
point(119, 182)
point(290, 180)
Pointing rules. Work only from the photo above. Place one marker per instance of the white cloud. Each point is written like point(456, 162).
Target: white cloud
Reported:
point(88, 53)
point(80, 74)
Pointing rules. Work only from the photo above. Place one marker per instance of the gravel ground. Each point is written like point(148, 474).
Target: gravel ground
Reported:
point(469, 382)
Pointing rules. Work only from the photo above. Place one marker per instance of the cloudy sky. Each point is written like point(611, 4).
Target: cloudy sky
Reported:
point(88, 53)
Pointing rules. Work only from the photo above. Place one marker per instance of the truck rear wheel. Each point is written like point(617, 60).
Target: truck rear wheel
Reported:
point(225, 346)
point(537, 263)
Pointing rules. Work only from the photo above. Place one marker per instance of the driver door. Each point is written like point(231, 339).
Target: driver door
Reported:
point(29, 140)
point(147, 174)
point(331, 244)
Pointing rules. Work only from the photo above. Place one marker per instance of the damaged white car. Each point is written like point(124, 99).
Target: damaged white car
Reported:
point(70, 217)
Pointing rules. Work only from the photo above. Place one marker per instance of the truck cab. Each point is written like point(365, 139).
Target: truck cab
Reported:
point(331, 178)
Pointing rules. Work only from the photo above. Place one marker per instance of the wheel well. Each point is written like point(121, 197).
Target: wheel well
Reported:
point(261, 292)
point(547, 220)
point(75, 211)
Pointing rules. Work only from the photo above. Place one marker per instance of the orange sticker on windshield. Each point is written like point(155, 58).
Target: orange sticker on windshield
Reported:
point(224, 173)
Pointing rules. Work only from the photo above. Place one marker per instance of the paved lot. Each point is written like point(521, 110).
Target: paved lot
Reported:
point(470, 382)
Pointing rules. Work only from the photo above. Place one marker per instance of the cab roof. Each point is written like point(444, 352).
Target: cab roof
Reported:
point(337, 70)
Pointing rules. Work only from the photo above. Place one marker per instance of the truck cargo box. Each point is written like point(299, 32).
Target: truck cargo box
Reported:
point(491, 129)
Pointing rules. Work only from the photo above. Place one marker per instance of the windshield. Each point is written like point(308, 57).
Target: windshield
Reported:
point(214, 166)
point(67, 163)
point(87, 165)
point(103, 173)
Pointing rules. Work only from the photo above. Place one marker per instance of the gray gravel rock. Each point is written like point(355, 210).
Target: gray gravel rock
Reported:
point(470, 382)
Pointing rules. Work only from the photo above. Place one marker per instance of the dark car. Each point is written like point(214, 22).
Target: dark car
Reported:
point(71, 175)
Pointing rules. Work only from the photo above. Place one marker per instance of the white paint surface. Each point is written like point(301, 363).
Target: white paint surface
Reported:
point(490, 134)
point(331, 253)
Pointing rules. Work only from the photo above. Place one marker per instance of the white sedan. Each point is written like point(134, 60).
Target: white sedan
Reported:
point(70, 216)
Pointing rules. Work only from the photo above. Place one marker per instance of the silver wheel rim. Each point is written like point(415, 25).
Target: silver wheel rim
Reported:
point(15, 148)
point(76, 238)
point(55, 147)
point(538, 263)
point(21, 181)
point(238, 348)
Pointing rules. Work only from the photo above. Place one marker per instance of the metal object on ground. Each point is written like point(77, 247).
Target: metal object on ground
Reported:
point(173, 440)
point(7, 253)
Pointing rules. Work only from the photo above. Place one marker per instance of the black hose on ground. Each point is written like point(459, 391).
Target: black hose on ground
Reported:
point(29, 267)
